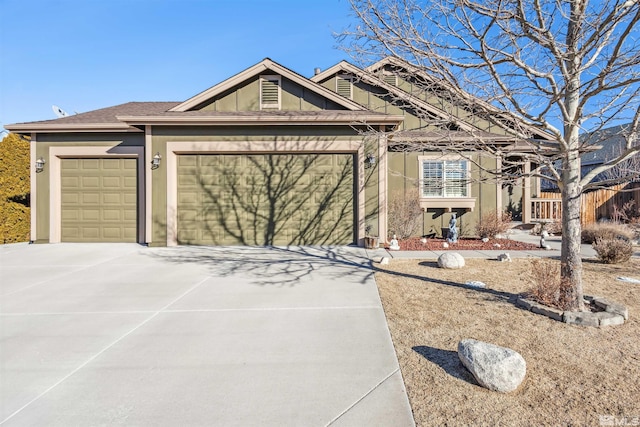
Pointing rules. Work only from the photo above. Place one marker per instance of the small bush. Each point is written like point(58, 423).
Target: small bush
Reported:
point(607, 231)
point(493, 223)
point(613, 251)
point(548, 288)
point(405, 213)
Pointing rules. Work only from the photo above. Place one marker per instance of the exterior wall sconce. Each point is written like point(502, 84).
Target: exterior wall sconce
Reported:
point(370, 161)
point(40, 165)
point(155, 162)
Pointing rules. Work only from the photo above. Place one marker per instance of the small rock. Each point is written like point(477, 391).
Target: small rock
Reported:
point(384, 260)
point(476, 284)
point(496, 245)
point(550, 312)
point(494, 367)
point(424, 240)
point(451, 260)
point(612, 307)
point(609, 319)
point(581, 318)
point(485, 239)
point(445, 245)
point(504, 257)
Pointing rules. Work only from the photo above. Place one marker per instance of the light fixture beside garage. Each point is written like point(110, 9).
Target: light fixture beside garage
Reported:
point(155, 162)
point(40, 165)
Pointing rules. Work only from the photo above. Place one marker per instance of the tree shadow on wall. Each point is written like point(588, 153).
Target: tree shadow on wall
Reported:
point(266, 199)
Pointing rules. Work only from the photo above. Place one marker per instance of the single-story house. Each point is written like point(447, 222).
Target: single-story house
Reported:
point(266, 157)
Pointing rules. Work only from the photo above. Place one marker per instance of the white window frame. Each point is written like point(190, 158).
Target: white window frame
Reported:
point(272, 78)
point(444, 200)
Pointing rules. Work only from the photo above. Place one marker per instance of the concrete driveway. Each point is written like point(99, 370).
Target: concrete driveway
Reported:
point(104, 334)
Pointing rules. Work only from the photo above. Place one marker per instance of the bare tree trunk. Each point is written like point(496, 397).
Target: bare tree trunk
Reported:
point(570, 258)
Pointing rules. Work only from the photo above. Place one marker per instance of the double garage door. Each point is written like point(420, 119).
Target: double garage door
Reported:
point(266, 199)
point(99, 200)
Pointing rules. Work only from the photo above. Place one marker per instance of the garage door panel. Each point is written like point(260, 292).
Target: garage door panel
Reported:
point(99, 200)
point(266, 199)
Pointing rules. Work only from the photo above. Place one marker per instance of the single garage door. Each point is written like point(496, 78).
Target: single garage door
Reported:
point(266, 199)
point(99, 200)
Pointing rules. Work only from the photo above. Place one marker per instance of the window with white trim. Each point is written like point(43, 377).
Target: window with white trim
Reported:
point(445, 178)
point(270, 92)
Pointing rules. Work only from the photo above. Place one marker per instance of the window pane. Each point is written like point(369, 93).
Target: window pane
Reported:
point(455, 178)
point(432, 179)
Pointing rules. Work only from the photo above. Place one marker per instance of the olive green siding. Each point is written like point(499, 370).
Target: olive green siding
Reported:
point(191, 136)
point(246, 97)
point(403, 175)
point(43, 181)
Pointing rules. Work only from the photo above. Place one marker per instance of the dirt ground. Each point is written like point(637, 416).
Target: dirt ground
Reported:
point(574, 374)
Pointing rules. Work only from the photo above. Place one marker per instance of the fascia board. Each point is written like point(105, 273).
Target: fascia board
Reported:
point(265, 120)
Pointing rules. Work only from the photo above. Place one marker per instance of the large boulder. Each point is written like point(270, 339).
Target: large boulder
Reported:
point(494, 367)
point(450, 260)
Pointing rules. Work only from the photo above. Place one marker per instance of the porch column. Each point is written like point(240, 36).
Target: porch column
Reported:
point(382, 185)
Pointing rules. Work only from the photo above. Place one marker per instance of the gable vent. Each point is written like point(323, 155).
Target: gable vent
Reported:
point(270, 92)
point(390, 79)
point(344, 86)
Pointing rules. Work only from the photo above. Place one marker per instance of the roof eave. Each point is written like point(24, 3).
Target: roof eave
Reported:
point(264, 120)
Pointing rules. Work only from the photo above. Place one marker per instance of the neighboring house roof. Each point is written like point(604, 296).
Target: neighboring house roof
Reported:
point(605, 145)
point(495, 112)
point(260, 68)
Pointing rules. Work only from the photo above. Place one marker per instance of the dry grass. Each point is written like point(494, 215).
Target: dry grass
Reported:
point(574, 374)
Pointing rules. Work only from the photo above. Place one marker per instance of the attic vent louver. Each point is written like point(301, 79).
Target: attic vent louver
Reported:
point(270, 92)
point(390, 79)
point(344, 86)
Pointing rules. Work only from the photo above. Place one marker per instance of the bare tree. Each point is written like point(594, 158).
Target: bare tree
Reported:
point(565, 67)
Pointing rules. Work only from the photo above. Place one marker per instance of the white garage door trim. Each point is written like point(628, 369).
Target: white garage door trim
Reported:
point(55, 179)
point(174, 148)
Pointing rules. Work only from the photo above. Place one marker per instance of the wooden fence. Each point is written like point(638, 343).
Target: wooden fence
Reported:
point(596, 204)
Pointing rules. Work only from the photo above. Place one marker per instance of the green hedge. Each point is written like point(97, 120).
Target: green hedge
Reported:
point(14, 190)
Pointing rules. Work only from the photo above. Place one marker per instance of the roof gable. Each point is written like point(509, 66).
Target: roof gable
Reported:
point(266, 66)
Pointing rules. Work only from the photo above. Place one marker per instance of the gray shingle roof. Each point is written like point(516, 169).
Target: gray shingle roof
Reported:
point(108, 115)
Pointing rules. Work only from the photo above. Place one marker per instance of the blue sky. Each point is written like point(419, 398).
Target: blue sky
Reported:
point(87, 54)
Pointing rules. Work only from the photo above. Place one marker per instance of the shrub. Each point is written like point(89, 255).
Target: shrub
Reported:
point(405, 213)
point(493, 223)
point(14, 190)
point(613, 251)
point(548, 288)
point(607, 231)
